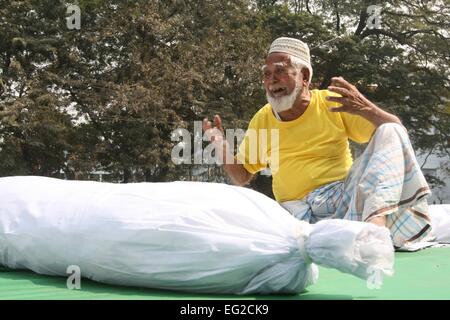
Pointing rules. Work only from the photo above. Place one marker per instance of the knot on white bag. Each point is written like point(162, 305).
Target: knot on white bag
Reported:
point(302, 230)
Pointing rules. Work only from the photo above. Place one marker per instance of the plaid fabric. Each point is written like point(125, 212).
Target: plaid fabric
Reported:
point(385, 180)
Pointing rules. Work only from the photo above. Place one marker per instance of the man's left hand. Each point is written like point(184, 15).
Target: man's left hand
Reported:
point(352, 100)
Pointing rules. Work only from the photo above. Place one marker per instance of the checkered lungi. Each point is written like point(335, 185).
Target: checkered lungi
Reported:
point(385, 180)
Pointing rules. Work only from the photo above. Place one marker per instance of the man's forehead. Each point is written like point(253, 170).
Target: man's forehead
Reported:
point(276, 57)
point(277, 60)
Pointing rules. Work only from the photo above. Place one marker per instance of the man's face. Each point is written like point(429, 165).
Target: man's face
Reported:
point(281, 81)
point(279, 75)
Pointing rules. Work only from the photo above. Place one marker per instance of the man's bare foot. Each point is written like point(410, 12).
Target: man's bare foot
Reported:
point(379, 221)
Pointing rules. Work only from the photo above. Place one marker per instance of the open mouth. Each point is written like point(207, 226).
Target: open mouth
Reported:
point(278, 92)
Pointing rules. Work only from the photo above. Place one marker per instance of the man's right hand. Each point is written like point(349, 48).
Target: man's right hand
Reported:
point(217, 137)
point(213, 133)
point(236, 171)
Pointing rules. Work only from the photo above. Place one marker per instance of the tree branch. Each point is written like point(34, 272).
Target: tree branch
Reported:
point(426, 158)
point(389, 34)
point(307, 6)
point(362, 22)
point(338, 19)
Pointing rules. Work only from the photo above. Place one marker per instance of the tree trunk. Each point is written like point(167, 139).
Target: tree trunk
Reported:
point(126, 175)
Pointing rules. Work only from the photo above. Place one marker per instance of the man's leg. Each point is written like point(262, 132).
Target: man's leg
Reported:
point(318, 204)
point(379, 221)
point(299, 209)
point(386, 186)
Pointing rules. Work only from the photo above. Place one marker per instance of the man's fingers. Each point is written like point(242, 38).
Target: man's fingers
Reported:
point(218, 122)
point(342, 91)
point(208, 126)
point(340, 82)
point(213, 133)
point(341, 100)
point(205, 125)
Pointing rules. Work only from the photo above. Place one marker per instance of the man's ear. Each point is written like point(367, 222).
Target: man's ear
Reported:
point(305, 72)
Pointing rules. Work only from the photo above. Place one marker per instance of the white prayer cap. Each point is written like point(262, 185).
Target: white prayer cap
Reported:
point(293, 47)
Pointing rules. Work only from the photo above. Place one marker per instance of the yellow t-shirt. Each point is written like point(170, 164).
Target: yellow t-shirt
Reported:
point(313, 149)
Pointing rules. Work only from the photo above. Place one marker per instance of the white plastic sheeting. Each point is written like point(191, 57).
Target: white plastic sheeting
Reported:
point(189, 236)
point(440, 222)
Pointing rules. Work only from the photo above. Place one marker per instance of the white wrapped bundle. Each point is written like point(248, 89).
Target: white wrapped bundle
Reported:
point(440, 220)
point(189, 236)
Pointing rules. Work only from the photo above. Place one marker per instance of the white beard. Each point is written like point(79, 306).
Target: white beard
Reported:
point(286, 102)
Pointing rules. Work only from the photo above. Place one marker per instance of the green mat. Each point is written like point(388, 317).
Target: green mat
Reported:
point(418, 275)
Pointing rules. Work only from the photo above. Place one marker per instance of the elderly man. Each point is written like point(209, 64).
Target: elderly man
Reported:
point(316, 177)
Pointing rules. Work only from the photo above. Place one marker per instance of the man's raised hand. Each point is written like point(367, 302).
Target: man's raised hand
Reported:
point(352, 100)
point(214, 134)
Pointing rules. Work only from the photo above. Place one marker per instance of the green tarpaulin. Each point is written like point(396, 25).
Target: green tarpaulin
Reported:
point(418, 275)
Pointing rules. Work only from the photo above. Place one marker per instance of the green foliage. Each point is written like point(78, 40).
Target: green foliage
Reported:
point(108, 96)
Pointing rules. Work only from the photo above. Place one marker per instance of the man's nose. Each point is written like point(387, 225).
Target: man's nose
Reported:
point(272, 78)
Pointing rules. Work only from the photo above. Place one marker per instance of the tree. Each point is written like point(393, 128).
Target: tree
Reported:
point(108, 96)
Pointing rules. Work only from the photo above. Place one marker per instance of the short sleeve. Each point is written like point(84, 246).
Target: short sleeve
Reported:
point(249, 151)
point(358, 129)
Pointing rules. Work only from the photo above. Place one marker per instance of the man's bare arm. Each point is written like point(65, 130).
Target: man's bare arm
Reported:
point(235, 170)
point(238, 174)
